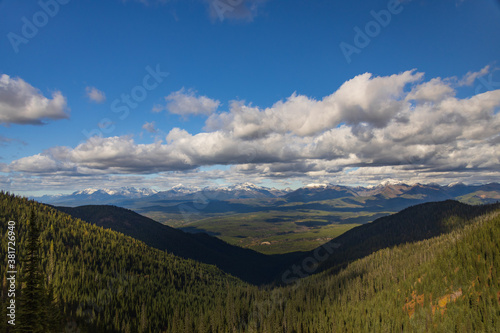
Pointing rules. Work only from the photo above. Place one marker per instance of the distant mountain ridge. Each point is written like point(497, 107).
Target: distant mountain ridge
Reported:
point(178, 192)
point(313, 192)
point(93, 195)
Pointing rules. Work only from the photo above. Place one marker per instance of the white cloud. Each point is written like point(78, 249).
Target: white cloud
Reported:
point(470, 77)
point(95, 95)
point(241, 10)
point(393, 127)
point(434, 90)
point(364, 99)
point(21, 103)
point(186, 103)
point(35, 164)
point(150, 127)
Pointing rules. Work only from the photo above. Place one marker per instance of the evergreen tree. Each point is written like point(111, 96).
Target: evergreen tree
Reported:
point(31, 311)
point(104, 281)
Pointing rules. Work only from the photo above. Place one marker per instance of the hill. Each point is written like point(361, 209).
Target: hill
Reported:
point(104, 281)
point(274, 221)
point(245, 264)
point(412, 224)
point(448, 283)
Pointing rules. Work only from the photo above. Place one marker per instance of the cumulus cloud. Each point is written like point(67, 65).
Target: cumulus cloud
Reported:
point(363, 100)
point(150, 127)
point(434, 90)
point(95, 95)
point(470, 77)
point(242, 10)
point(186, 103)
point(391, 127)
point(21, 103)
point(35, 164)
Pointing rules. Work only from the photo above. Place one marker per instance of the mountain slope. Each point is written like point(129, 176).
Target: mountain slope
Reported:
point(413, 224)
point(246, 264)
point(448, 283)
point(107, 282)
point(104, 281)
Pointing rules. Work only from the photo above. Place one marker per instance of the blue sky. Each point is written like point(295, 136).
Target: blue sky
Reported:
point(204, 92)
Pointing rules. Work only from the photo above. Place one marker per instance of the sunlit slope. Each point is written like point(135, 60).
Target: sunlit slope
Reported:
point(412, 224)
point(448, 283)
point(105, 281)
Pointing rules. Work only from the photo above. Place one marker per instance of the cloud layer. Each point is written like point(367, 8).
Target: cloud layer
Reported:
point(21, 103)
point(95, 95)
point(372, 128)
point(186, 103)
point(243, 10)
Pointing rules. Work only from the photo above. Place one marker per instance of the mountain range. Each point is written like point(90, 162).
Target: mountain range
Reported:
point(309, 193)
point(410, 225)
point(272, 220)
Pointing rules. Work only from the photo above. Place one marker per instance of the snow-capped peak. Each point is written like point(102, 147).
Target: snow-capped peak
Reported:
point(391, 181)
point(124, 191)
point(245, 186)
point(183, 189)
point(456, 184)
point(87, 191)
point(314, 185)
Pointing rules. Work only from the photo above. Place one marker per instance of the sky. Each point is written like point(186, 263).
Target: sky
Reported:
point(280, 93)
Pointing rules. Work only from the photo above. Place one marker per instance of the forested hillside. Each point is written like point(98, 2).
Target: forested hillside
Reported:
point(102, 281)
point(248, 265)
point(412, 224)
point(449, 283)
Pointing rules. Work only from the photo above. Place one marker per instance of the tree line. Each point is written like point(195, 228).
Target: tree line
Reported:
point(77, 277)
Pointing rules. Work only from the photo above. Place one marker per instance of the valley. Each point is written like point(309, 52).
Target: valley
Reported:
point(108, 269)
point(274, 221)
point(274, 232)
point(231, 166)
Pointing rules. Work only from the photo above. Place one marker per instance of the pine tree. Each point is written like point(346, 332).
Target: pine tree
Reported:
point(144, 319)
point(31, 311)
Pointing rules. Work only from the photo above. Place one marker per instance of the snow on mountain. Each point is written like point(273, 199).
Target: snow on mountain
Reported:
point(308, 193)
point(87, 191)
point(389, 182)
point(95, 196)
point(316, 186)
point(131, 192)
point(179, 188)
